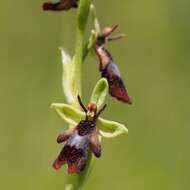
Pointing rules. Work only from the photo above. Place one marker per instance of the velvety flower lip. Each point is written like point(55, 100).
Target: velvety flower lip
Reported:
point(61, 5)
point(108, 68)
point(79, 141)
point(117, 88)
point(74, 153)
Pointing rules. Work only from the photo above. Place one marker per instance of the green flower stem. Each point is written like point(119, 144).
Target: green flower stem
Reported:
point(82, 18)
point(76, 181)
point(94, 33)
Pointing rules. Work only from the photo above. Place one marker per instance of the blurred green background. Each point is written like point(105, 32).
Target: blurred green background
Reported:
point(155, 63)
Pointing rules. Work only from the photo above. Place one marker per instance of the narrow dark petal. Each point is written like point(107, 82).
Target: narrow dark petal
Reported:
point(95, 144)
point(117, 88)
point(61, 5)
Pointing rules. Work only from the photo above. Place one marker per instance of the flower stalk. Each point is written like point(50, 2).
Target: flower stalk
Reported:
point(76, 181)
point(86, 128)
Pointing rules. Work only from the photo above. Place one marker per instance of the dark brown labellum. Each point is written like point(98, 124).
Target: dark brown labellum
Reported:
point(61, 5)
point(117, 88)
point(74, 153)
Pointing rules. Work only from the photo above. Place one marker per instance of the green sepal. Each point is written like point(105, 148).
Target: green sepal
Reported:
point(110, 129)
point(68, 113)
point(72, 116)
point(95, 19)
point(92, 39)
point(67, 76)
point(100, 92)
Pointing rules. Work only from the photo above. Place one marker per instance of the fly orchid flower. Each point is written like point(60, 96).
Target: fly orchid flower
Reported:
point(79, 140)
point(108, 68)
point(86, 128)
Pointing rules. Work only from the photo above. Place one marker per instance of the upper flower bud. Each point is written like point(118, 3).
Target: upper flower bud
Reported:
point(108, 68)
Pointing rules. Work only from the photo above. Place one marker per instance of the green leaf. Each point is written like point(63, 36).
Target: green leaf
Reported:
point(68, 113)
point(100, 92)
point(110, 129)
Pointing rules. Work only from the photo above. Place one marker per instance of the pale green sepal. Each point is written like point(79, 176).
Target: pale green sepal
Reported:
point(95, 19)
point(100, 92)
point(67, 76)
point(110, 129)
point(92, 39)
point(68, 113)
